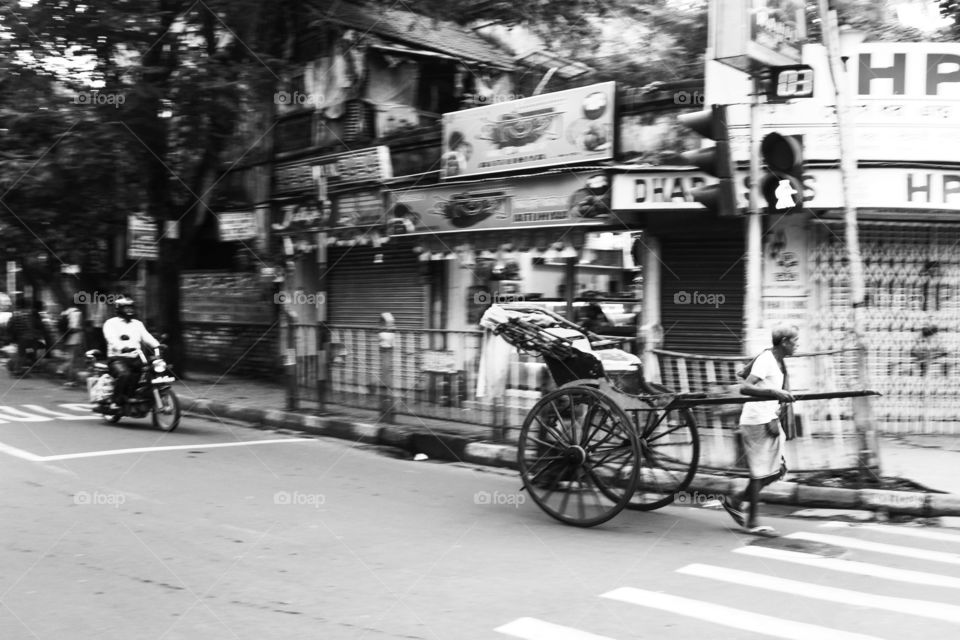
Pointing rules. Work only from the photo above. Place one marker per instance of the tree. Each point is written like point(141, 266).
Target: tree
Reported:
point(174, 72)
point(63, 185)
point(166, 84)
point(951, 9)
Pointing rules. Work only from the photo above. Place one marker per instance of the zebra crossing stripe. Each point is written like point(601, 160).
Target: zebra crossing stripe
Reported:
point(533, 629)
point(60, 416)
point(878, 547)
point(12, 414)
point(765, 625)
point(852, 566)
point(912, 532)
point(922, 608)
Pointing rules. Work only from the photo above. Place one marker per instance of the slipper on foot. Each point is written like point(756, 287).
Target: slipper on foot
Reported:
point(736, 514)
point(764, 531)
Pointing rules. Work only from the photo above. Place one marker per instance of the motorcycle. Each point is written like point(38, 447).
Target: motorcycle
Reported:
point(153, 393)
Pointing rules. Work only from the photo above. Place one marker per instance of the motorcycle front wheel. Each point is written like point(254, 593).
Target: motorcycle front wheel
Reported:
point(167, 418)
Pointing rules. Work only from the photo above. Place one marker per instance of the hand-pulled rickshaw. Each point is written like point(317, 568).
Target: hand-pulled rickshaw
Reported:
point(589, 448)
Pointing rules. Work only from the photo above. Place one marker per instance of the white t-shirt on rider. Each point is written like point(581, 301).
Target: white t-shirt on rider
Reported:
point(120, 333)
point(771, 377)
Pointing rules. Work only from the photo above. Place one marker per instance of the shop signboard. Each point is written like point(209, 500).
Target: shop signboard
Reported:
point(363, 165)
point(746, 34)
point(225, 297)
point(904, 103)
point(357, 209)
point(658, 190)
point(576, 125)
point(237, 225)
point(301, 217)
point(141, 237)
point(886, 189)
point(558, 199)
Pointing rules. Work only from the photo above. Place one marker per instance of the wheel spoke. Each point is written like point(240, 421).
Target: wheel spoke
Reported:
point(576, 442)
point(558, 436)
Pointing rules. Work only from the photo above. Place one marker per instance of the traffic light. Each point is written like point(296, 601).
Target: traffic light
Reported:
point(721, 198)
point(782, 187)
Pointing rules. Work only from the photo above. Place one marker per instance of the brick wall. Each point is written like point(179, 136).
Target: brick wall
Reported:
point(241, 349)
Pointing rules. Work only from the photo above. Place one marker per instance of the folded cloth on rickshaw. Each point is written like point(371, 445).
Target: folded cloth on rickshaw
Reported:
point(497, 315)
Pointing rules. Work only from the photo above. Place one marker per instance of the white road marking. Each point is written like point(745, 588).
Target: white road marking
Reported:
point(877, 547)
point(730, 617)
point(852, 566)
point(26, 455)
point(19, 453)
point(61, 416)
point(12, 414)
point(922, 608)
point(912, 532)
point(533, 629)
point(82, 407)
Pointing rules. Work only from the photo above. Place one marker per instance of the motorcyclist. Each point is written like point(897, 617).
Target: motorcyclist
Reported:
point(125, 336)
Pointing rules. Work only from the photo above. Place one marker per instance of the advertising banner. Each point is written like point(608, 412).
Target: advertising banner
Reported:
point(556, 128)
point(559, 199)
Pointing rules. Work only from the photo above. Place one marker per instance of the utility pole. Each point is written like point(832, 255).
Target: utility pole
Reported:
point(868, 460)
point(753, 317)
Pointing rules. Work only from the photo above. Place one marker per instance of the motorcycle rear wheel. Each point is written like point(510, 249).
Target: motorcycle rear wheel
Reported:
point(169, 418)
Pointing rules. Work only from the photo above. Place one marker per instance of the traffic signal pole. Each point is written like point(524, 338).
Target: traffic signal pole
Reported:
point(753, 314)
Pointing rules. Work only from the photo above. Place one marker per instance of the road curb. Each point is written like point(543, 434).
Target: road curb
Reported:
point(473, 449)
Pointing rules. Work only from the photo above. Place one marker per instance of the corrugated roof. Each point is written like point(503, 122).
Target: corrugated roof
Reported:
point(412, 28)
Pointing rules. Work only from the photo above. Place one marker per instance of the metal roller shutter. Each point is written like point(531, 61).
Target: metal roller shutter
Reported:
point(359, 289)
point(702, 290)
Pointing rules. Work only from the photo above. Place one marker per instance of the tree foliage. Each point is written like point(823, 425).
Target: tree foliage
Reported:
point(951, 9)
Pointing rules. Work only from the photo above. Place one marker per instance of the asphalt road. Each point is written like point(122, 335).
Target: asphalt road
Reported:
point(218, 531)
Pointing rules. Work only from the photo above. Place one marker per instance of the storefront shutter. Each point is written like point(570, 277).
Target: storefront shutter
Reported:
point(702, 290)
point(365, 281)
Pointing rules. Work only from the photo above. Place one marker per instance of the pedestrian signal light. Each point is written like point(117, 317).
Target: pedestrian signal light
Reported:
point(782, 187)
point(720, 198)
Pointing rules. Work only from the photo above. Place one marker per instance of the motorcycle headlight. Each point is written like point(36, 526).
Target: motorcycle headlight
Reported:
point(159, 365)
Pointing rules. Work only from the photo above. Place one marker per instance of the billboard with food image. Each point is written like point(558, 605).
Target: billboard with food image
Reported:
point(569, 126)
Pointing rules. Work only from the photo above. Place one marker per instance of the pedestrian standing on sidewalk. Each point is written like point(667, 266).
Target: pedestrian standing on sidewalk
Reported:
point(72, 341)
point(760, 428)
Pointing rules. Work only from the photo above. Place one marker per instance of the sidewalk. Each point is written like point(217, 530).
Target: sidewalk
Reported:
point(931, 461)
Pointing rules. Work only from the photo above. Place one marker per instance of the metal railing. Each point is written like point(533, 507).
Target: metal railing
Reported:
point(827, 438)
point(433, 374)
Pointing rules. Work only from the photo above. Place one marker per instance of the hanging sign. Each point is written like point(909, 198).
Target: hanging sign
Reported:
point(141, 237)
point(238, 225)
